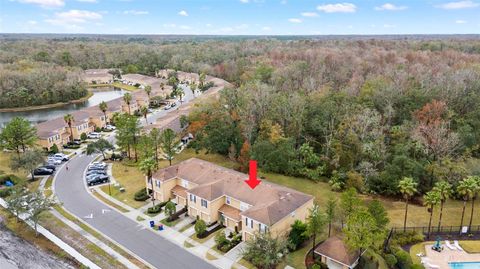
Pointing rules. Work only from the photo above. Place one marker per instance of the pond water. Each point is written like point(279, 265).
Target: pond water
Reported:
point(37, 116)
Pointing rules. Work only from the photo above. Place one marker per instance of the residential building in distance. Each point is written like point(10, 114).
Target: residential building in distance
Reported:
point(217, 194)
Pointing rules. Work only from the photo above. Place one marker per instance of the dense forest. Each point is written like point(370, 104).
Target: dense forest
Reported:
point(358, 113)
point(31, 83)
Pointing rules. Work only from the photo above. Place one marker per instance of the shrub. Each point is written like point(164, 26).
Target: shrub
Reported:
point(170, 208)
point(417, 266)
point(83, 136)
point(407, 238)
point(200, 227)
point(154, 209)
point(141, 195)
point(391, 260)
point(98, 129)
point(404, 260)
point(355, 180)
point(220, 240)
point(54, 149)
point(297, 234)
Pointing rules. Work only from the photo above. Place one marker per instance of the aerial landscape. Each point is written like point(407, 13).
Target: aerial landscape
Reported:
point(269, 134)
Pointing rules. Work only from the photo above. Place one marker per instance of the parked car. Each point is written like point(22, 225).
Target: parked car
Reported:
point(61, 156)
point(96, 179)
point(96, 172)
point(174, 104)
point(54, 161)
point(167, 107)
point(77, 141)
point(49, 166)
point(111, 127)
point(42, 171)
point(94, 135)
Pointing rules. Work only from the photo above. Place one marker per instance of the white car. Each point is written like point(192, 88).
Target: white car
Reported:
point(61, 156)
point(110, 127)
point(94, 135)
point(54, 161)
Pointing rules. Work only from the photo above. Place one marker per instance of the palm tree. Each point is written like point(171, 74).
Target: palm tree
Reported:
point(193, 87)
point(148, 90)
point(127, 98)
point(444, 189)
point(407, 187)
point(69, 120)
point(147, 166)
point(466, 189)
point(144, 112)
point(104, 107)
point(476, 190)
point(180, 94)
point(430, 200)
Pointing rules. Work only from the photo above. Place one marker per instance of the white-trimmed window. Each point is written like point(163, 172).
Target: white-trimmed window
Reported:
point(157, 183)
point(193, 198)
point(228, 200)
point(204, 203)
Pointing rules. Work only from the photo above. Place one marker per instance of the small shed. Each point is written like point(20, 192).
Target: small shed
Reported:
point(336, 255)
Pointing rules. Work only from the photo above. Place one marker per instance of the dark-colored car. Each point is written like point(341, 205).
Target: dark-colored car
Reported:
point(96, 172)
point(96, 179)
point(42, 171)
point(49, 166)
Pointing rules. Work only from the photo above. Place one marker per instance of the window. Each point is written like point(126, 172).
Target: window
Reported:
point(157, 183)
point(204, 203)
point(184, 183)
point(228, 200)
point(251, 223)
point(193, 198)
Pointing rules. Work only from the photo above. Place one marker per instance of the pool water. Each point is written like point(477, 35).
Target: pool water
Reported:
point(464, 265)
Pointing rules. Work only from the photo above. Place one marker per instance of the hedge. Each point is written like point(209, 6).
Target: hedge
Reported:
point(141, 195)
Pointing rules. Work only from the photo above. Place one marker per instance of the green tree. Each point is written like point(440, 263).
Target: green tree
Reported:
point(168, 141)
point(193, 87)
point(36, 205)
point(430, 200)
point(407, 187)
point(200, 227)
point(155, 138)
point(444, 189)
point(358, 231)
point(16, 202)
point(265, 251)
point(148, 91)
point(315, 224)
point(18, 134)
point(170, 208)
point(466, 189)
point(83, 136)
point(330, 212)
point(101, 145)
point(476, 191)
point(378, 212)
point(201, 80)
point(104, 107)
point(54, 149)
point(297, 235)
point(128, 130)
point(69, 121)
point(148, 166)
point(349, 202)
point(27, 162)
point(144, 112)
point(127, 98)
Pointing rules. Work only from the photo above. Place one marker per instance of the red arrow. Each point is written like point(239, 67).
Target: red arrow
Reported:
point(253, 181)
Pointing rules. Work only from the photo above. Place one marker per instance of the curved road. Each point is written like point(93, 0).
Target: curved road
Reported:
point(157, 251)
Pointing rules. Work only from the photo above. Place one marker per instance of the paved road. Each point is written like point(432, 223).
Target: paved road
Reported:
point(159, 252)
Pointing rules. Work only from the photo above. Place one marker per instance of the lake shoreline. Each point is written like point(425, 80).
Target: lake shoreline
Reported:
point(42, 107)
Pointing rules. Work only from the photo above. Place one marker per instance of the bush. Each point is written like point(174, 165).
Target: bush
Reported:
point(404, 260)
point(98, 129)
point(83, 136)
point(297, 235)
point(391, 260)
point(221, 240)
point(417, 266)
point(154, 209)
point(170, 208)
point(200, 228)
point(141, 195)
point(12, 178)
point(54, 149)
point(407, 238)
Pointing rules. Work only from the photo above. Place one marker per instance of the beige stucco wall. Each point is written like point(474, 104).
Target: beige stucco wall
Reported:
point(98, 121)
point(209, 214)
point(283, 226)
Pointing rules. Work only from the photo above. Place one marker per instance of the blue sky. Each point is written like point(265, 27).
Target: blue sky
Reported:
point(250, 17)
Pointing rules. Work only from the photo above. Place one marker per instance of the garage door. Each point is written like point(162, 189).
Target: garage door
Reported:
point(333, 265)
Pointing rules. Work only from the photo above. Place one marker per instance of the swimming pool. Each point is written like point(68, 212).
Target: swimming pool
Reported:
point(464, 265)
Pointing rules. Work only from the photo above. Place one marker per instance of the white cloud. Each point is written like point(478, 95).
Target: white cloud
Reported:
point(135, 12)
point(244, 1)
point(295, 20)
point(340, 7)
point(183, 13)
point(309, 14)
point(185, 27)
point(459, 5)
point(460, 21)
point(72, 17)
point(45, 3)
point(391, 7)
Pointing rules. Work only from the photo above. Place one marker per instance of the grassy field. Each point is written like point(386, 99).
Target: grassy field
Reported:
point(108, 202)
point(115, 84)
point(5, 164)
point(129, 178)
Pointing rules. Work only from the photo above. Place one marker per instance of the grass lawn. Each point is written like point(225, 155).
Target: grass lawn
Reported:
point(418, 248)
point(115, 84)
point(203, 240)
point(48, 187)
point(210, 257)
point(472, 246)
point(248, 264)
point(139, 218)
point(110, 203)
point(186, 227)
point(187, 244)
point(129, 178)
point(5, 163)
point(33, 185)
point(170, 224)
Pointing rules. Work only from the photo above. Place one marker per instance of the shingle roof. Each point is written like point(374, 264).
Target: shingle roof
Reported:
point(269, 202)
point(335, 248)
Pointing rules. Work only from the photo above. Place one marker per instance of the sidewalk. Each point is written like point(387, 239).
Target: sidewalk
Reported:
point(57, 241)
point(176, 237)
